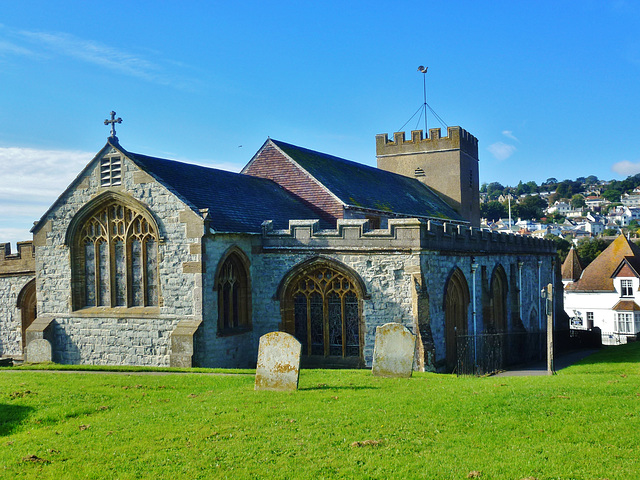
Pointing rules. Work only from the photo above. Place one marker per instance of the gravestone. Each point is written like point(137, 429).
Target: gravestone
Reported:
point(278, 365)
point(394, 351)
point(38, 351)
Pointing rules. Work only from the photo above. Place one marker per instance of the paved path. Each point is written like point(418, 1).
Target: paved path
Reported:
point(560, 362)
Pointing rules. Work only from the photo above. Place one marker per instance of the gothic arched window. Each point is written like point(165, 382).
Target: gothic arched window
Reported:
point(322, 310)
point(234, 296)
point(115, 252)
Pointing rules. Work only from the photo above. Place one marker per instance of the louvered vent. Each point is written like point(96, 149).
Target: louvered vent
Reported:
point(110, 171)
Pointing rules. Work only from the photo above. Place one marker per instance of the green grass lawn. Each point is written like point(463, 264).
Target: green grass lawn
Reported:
point(583, 423)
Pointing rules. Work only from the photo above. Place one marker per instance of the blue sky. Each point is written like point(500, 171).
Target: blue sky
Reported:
point(550, 88)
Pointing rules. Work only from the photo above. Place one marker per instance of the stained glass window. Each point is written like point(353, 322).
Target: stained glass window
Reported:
point(118, 259)
point(326, 314)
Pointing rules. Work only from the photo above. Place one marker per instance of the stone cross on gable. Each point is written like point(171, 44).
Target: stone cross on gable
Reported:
point(113, 122)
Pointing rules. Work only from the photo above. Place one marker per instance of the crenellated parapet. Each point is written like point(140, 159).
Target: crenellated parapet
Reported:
point(21, 262)
point(406, 234)
point(457, 139)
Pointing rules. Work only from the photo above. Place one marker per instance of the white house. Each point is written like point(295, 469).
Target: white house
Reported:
point(607, 293)
point(560, 208)
point(631, 199)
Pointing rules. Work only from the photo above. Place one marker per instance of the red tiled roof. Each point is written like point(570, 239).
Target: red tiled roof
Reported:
point(571, 268)
point(626, 306)
point(597, 277)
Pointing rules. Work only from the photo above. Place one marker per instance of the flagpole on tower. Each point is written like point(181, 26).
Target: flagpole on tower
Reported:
point(423, 70)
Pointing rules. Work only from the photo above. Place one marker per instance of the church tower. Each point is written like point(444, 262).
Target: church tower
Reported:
point(448, 165)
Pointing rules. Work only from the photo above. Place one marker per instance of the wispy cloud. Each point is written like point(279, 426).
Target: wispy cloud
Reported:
point(38, 175)
point(501, 151)
point(509, 134)
point(9, 48)
point(60, 44)
point(30, 182)
point(626, 168)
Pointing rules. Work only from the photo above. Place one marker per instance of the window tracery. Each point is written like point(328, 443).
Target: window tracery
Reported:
point(234, 296)
point(117, 260)
point(326, 314)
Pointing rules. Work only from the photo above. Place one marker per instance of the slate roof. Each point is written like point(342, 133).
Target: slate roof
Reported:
point(236, 202)
point(366, 187)
point(571, 268)
point(597, 277)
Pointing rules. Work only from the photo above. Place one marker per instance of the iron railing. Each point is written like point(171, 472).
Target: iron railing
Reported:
point(489, 353)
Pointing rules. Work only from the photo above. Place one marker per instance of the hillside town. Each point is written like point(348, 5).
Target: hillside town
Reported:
point(584, 208)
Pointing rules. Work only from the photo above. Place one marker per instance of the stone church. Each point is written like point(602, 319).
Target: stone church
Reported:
point(149, 261)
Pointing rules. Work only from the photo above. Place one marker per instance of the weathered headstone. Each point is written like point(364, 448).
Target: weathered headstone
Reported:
point(278, 362)
point(394, 351)
point(38, 351)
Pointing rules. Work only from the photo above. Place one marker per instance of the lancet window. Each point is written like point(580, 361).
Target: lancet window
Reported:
point(234, 296)
point(116, 259)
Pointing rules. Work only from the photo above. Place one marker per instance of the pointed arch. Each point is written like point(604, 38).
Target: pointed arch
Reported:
point(456, 308)
point(498, 301)
point(28, 309)
point(321, 305)
point(233, 285)
point(114, 253)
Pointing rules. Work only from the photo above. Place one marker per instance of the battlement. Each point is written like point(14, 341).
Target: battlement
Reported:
point(402, 234)
point(457, 139)
point(23, 261)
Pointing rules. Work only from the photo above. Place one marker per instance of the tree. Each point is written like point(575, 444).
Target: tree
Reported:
point(562, 246)
point(550, 181)
point(591, 180)
point(589, 248)
point(531, 206)
point(494, 190)
point(577, 201)
point(522, 188)
point(493, 210)
point(568, 188)
point(612, 194)
point(533, 187)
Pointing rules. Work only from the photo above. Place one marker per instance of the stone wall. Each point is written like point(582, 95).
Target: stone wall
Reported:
point(143, 332)
point(525, 308)
point(112, 340)
point(449, 165)
point(236, 350)
point(406, 268)
point(10, 314)
point(16, 271)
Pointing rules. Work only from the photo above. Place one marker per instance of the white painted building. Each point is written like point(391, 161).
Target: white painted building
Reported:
point(606, 294)
point(560, 207)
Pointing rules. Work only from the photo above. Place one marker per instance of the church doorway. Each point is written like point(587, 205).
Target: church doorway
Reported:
point(322, 310)
point(456, 305)
point(27, 306)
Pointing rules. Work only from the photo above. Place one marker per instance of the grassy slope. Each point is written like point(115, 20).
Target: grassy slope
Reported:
point(582, 423)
